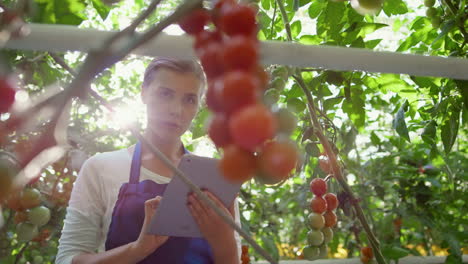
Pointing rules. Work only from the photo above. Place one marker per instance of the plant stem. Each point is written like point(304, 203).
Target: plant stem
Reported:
point(284, 15)
point(337, 172)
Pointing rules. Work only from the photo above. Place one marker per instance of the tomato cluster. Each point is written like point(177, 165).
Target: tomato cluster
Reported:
point(321, 220)
point(245, 259)
point(242, 124)
point(433, 13)
point(30, 215)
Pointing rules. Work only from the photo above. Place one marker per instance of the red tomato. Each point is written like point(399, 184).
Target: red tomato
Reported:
point(251, 126)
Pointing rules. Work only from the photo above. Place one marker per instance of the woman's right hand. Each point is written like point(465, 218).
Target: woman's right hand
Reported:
point(148, 243)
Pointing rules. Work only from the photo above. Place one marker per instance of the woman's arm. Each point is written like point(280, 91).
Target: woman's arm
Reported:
point(133, 252)
point(219, 234)
point(83, 225)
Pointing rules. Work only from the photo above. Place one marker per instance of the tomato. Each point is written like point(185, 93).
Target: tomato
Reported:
point(30, 198)
point(8, 172)
point(206, 37)
point(7, 95)
point(14, 202)
point(330, 219)
point(318, 205)
point(238, 89)
point(251, 127)
point(39, 215)
point(278, 159)
point(211, 58)
point(238, 20)
point(287, 121)
point(245, 249)
point(367, 252)
point(315, 237)
point(365, 260)
point(311, 253)
point(26, 231)
point(262, 76)
point(271, 96)
point(324, 164)
point(316, 221)
point(323, 251)
point(245, 259)
point(20, 216)
point(318, 186)
point(328, 234)
point(237, 165)
point(332, 201)
point(219, 130)
point(220, 5)
point(195, 22)
point(213, 96)
point(240, 53)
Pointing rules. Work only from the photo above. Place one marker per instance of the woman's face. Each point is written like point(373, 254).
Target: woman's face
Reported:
point(172, 101)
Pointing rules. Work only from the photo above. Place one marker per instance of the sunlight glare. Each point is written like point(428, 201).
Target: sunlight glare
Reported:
point(125, 115)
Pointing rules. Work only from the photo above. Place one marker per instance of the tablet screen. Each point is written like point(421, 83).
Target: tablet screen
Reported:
point(173, 218)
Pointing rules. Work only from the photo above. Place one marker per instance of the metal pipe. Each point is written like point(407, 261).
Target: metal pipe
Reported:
point(61, 38)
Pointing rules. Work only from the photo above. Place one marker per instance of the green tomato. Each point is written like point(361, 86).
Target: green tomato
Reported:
point(30, 198)
point(429, 3)
point(38, 260)
point(315, 237)
point(287, 121)
point(278, 83)
point(39, 215)
point(435, 21)
point(311, 253)
point(271, 96)
point(281, 72)
point(316, 221)
point(35, 253)
point(431, 12)
point(26, 231)
point(7, 172)
point(371, 4)
point(328, 234)
point(323, 251)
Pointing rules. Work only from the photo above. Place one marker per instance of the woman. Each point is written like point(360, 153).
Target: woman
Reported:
point(117, 193)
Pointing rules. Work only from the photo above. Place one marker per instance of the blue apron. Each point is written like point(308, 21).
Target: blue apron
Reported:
point(129, 214)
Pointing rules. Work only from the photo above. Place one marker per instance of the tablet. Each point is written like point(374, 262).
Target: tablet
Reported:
point(173, 218)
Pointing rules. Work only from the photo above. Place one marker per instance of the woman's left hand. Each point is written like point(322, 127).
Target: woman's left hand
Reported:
point(212, 226)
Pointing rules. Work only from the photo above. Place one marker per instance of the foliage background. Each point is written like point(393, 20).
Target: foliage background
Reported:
point(402, 139)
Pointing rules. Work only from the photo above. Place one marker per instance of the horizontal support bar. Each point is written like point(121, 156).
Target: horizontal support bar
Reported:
point(61, 38)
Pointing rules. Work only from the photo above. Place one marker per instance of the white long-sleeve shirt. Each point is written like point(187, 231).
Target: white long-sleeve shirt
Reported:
point(92, 201)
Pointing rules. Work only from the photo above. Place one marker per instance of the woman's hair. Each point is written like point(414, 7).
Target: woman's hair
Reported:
point(178, 65)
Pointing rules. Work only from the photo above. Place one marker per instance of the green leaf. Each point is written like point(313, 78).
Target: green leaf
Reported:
point(449, 130)
point(296, 105)
point(393, 252)
point(310, 40)
point(69, 12)
point(445, 29)
point(429, 133)
point(102, 9)
point(198, 125)
point(315, 9)
point(399, 123)
point(395, 7)
point(265, 4)
point(296, 28)
point(270, 246)
point(375, 139)
point(355, 108)
point(372, 43)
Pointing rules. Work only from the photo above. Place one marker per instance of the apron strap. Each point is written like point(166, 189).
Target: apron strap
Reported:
point(136, 164)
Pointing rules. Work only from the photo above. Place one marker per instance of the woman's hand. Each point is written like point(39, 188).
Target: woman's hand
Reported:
point(148, 243)
point(214, 229)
